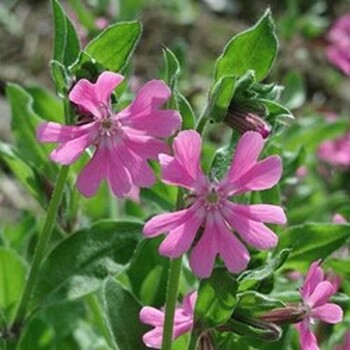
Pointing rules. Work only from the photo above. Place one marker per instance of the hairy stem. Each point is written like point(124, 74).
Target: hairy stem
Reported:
point(41, 247)
point(172, 292)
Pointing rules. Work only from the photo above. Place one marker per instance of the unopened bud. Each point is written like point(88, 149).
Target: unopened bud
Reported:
point(243, 120)
point(255, 328)
point(289, 314)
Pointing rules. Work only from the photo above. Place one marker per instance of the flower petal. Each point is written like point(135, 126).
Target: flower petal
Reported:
point(271, 214)
point(166, 222)
point(119, 179)
point(143, 113)
point(253, 232)
point(153, 339)
point(105, 85)
point(93, 173)
point(329, 313)
point(150, 315)
point(156, 123)
point(173, 172)
point(55, 132)
point(182, 328)
point(262, 176)
point(306, 337)
point(146, 146)
point(248, 150)
point(187, 147)
point(141, 173)
point(68, 152)
point(91, 97)
point(189, 302)
point(321, 294)
point(184, 168)
point(179, 240)
point(314, 277)
point(203, 254)
point(234, 254)
point(149, 98)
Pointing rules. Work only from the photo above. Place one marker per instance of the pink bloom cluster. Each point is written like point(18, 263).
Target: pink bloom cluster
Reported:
point(183, 321)
point(123, 141)
point(316, 292)
point(338, 51)
point(336, 152)
point(211, 207)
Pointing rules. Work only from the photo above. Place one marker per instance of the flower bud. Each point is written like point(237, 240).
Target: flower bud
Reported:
point(292, 313)
point(245, 119)
point(254, 328)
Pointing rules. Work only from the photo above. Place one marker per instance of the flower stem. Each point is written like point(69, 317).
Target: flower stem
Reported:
point(175, 271)
point(172, 292)
point(41, 247)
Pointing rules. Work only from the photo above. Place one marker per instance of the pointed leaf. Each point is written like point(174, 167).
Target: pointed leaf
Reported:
point(254, 49)
point(312, 241)
point(216, 299)
point(114, 46)
point(66, 43)
point(23, 124)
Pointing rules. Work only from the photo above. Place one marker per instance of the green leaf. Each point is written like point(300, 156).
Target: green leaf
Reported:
point(46, 105)
point(12, 276)
point(254, 304)
point(216, 299)
point(79, 264)
point(312, 241)
point(250, 278)
point(162, 195)
point(254, 49)
point(275, 109)
point(114, 46)
point(148, 273)
point(24, 172)
point(186, 111)
point(223, 158)
point(220, 98)
point(59, 77)
point(23, 124)
point(37, 335)
point(66, 43)
point(122, 313)
point(172, 68)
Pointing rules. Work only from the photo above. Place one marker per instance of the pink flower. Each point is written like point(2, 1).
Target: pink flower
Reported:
point(338, 51)
point(346, 344)
point(338, 219)
point(123, 141)
point(315, 293)
point(212, 208)
point(183, 321)
point(302, 171)
point(336, 152)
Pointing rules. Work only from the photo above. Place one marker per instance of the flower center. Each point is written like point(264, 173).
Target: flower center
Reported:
point(212, 197)
point(109, 125)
